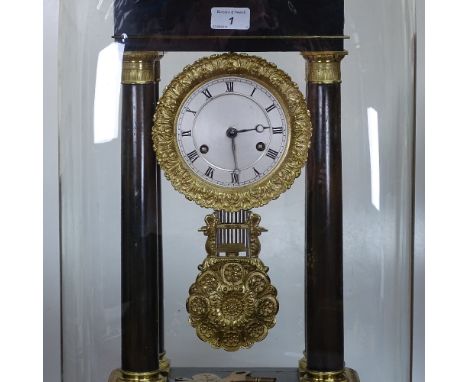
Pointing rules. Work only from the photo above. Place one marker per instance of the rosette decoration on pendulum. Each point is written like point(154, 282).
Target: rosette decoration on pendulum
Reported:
point(232, 303)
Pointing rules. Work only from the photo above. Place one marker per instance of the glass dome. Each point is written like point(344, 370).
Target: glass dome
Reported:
point(377, 100)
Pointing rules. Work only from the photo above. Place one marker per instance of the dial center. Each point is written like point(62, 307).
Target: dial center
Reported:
point(231, 132)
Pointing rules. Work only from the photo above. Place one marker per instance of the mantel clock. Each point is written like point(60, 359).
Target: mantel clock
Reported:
point(231, 132)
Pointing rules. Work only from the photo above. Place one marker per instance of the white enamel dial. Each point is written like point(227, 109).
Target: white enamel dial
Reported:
point(232, 131)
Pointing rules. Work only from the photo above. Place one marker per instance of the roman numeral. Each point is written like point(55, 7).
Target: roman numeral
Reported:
point(193, 156)
point(207, 93)
point(256, 172)
point(277, 130)
point(270, 108)
point(230, 86)
point(187, 133)
point(234, 177)
point(253, 91)
point(190, 111)
point(272, 154)
point(209, 172)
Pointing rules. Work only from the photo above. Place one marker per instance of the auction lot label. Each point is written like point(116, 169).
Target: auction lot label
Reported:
point(230, 18)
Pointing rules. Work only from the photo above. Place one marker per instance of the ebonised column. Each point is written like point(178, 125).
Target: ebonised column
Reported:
point(140, 222)
point(324, 345)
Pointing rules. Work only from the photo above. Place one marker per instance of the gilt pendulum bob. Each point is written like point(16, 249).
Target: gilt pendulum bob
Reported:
point(231, 132)
point(232, 303)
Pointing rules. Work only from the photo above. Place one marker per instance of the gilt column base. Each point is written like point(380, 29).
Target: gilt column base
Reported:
point(164, 365)
point(120, 375)
point(346, 375)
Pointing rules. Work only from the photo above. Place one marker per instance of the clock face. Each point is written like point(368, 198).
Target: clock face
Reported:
point(232, 131)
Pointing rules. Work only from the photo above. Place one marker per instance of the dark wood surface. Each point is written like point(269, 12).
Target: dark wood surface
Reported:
point(276, 25)
point(159, 229)
point(324, 232)
point(218, 44)
point(140, 232)
point(281, 374)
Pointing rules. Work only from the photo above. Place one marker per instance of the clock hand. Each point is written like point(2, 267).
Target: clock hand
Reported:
point(259, 128)
point(232, 133)
point(233, 145)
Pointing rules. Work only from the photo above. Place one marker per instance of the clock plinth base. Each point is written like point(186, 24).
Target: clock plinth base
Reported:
point(120, 375)
point(346, 375)
point(248, 374)
point(259, 373)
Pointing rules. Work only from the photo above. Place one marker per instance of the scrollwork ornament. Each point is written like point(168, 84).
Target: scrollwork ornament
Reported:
point(195, 188)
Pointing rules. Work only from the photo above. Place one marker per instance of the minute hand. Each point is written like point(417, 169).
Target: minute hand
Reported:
point(258, 128)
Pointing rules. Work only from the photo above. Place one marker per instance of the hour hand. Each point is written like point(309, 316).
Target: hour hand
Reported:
point(231, 134)
point(233, 146)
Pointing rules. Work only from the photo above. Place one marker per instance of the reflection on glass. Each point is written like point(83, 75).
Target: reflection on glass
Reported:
point(107, 93)
point(373, 131)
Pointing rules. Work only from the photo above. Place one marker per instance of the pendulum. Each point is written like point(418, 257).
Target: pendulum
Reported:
point(232, 303)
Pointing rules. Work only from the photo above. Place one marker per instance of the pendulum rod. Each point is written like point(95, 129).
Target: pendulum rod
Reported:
point(324, 343)
point(232, 240)
point(141, 254)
